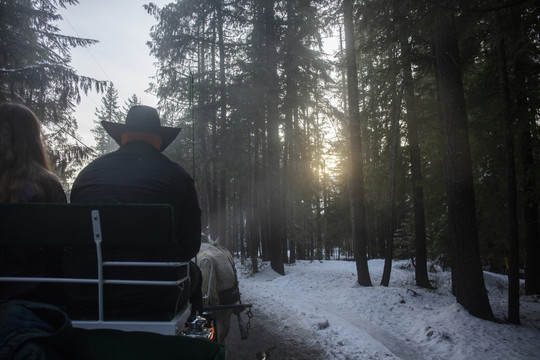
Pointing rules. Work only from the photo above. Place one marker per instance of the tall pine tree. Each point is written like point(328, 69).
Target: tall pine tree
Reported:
point(108, 111)
point(467, 276)
point(35, 70)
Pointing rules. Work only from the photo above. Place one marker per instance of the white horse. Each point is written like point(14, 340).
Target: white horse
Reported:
point(219, 286)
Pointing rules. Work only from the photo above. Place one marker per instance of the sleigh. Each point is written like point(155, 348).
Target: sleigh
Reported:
point(98, 230)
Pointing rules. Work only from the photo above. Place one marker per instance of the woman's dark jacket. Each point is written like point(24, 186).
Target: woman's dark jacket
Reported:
point(38, 262)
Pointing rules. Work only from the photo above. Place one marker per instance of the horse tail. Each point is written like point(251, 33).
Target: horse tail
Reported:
point(210, 296)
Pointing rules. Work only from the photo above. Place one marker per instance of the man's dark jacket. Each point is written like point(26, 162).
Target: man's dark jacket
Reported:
point(138, 173)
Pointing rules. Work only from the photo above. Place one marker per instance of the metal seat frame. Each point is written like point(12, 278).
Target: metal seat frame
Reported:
point(172, 327)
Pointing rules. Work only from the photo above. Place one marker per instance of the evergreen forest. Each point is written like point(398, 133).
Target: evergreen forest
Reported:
point(329, 129)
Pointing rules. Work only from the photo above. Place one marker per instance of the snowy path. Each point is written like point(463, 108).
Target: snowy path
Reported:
point(267, 337)
point(344, 332)
point(319, 305)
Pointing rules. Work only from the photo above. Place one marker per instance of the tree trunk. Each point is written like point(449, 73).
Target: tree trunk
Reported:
point(223, 129)
point(203, 122)
point(274, 145)
point(264, 194)
point(467, 275)
point(421, 273)
point(255, 230)
point(511, 193)
point(528, 185)
point(253, 218)
point(317, 187)
point(356, 159)
point(391, 226)
point(289, 102)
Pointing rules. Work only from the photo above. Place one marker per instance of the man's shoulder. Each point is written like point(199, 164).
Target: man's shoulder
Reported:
point(101, 159)
point(125, 159)
point(175, 164)
point(175, 170)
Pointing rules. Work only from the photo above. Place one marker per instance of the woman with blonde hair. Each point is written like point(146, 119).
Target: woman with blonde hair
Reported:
point(25, 169)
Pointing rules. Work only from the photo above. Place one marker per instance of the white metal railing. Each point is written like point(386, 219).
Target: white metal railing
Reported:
point(162, 327)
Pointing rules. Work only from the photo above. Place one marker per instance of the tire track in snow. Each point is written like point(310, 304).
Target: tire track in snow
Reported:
point(399, 348)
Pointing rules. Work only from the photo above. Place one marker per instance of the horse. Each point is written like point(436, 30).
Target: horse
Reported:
point(219, 286)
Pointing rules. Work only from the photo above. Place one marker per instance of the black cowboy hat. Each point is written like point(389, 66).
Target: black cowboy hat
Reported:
point(141, 118)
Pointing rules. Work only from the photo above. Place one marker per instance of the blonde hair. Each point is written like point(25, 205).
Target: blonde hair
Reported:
point(23, 157)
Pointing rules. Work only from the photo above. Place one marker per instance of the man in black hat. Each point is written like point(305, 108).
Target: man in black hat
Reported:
point(138, 172)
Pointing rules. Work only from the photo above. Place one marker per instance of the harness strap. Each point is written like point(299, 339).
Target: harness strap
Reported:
point(230, 296)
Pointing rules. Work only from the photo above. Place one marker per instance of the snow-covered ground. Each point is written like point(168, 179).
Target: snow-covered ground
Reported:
point(322, 302)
